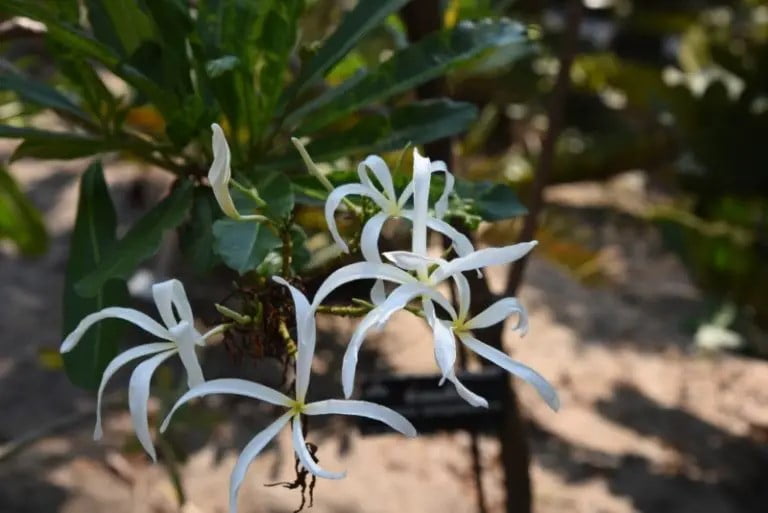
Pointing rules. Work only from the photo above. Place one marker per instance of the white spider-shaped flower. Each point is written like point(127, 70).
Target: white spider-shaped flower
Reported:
point(179, 336)
point(296, 406)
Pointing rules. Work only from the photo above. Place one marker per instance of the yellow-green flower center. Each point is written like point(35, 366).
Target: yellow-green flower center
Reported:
point(297, 407)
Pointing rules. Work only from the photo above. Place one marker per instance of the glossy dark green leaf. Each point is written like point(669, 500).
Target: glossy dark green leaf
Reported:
point(243, 245)
point(20, 221)
point(119, 24)
point(92, 237)
point(425, 60)
point(196, 236)
point(276, 190)
point(487, 200)
point(37, 92)
point(358, 22)
point(417, 123)
point(142, 240)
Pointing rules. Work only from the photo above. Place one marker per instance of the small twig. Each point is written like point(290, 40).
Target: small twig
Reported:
point(172, 464)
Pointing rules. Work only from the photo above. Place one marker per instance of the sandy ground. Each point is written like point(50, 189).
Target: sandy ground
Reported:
point(646, 425)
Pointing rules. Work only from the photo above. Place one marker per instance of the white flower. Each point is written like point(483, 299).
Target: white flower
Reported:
point(297, 406)
point(220, 176)
point(181, 338)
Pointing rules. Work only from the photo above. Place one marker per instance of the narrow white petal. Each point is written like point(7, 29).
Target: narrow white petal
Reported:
point(498, 312)
point(369, 238)
point(249, 453)
point(232, 386)
point(170, 294)
point(138, 396)
point(359, 271)
point(117, 362)
point(332, 203)
point(411, 261)
point(445, 347)
point(442, 203)
point(307, 335)
point(483, 258)
point(464, 293)
point(220, 172)
point(466, 394)
point(363, 409)
point(378, 292)
point(186, 338)
point(300, 446)
point(545, 390)
point(381, 171)
point(461, 242)
point(406, 195)
point(421, 178)
point(141, 320)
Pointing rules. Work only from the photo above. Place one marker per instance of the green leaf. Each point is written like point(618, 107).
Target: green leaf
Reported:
point(93, 235)
point(487, 200)
point(196, 237)
point(39, 93)
point(20, 221)
point(141, 241)
point(276, 190)
point(119, 24)
point(417, 123)
point(69, 146)
point(365, 16)
point(425, 60)
point(243, 245)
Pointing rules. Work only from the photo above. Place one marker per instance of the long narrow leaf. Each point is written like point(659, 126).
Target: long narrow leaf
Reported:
point(19, 219)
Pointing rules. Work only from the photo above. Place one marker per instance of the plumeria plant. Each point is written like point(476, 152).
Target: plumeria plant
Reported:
point(261, 114)
point(420, 281)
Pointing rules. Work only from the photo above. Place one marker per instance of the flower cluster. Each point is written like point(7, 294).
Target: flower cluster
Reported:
point(417, 278)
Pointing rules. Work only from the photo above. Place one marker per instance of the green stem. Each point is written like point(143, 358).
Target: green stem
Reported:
point(172, 464)
point(251, 192)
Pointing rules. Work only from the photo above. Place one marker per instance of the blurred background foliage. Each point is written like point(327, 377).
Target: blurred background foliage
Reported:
point(676, 89)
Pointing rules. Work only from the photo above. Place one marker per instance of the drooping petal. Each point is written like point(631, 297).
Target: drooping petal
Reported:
point(249, 453)
point(483, 258)
point(381, 171)
point(464, 295)
point(138, 396)
point(378, 292)
point(307, 335)
point(359, 271)
point(332, 203)
point(300, 446)
point(141, 320)
point(221, 172)
point(461, 242)
point(421, 178)
point(441, 206)
point(117, 362)
point(545, 390)
point(466, 394)
point(445, 347)
point(186, 338)
point(168, 295)
point(232, 386)
point(369, 238)
point(363, 409)
point(498, 312)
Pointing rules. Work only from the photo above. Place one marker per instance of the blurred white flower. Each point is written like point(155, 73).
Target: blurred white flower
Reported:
point(181, 338)
point(297, 406)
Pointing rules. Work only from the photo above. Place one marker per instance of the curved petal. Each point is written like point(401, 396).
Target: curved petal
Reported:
point(232, 386)
point(445, 348)
point(307, 335)
point(441, 206)
point(117, 362)
point(411, 261)
point(369, 238)
point(466, 394)
point(168, 295)
point(381, 171)
point(220, 172)
point(461, 242)
point(332, 203)
point(498, 312)
point(378, 292)
point(186, 338)
point(359, 271)
point(249, 453)
point(300, 446)
point(375, 319)
point(421, 178)
point(141, 320)
point(464, 295)
point(542, 386)
point(363, 409)
point(483, 258)
point(138, 396)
